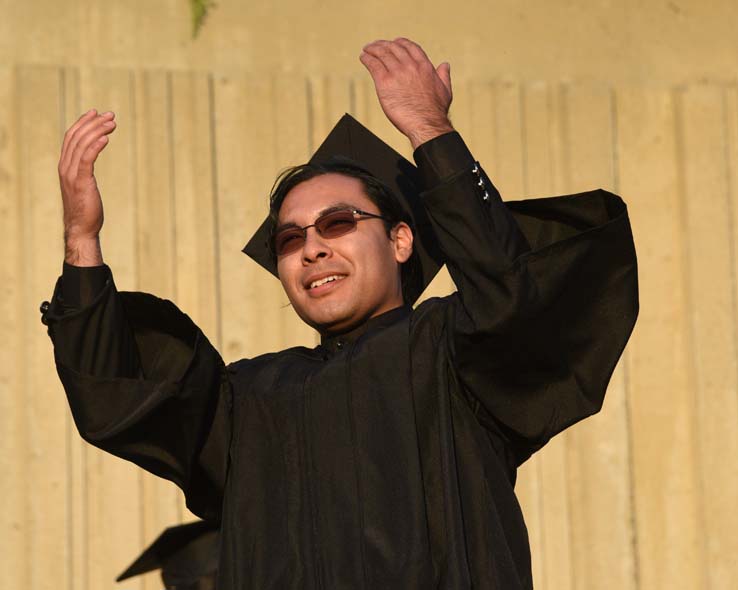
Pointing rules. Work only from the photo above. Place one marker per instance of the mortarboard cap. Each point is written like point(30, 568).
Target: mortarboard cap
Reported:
point(350, 140)
point(186, 554)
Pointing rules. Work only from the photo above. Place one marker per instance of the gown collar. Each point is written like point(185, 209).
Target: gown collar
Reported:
point(335, 343)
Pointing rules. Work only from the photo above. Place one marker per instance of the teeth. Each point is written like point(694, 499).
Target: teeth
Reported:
point(325, 280)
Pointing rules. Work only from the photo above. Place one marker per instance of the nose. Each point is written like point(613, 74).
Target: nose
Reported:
point(315, 247)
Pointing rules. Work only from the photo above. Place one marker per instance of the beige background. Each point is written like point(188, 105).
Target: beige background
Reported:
point(552, 96)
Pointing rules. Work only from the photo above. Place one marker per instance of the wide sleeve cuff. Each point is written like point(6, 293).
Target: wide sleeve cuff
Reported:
point(80, 285)
point(441, 158)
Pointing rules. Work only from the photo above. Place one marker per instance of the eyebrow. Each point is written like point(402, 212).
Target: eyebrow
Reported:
point(341, 206)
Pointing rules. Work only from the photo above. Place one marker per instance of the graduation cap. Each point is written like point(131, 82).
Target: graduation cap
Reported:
point(186, 554)
point(350, 140)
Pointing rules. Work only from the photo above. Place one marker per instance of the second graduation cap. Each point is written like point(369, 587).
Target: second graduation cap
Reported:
point(349, 139)
point(186, 554)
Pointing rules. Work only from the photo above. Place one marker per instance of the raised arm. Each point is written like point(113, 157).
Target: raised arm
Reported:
point(547, 288)
point(142, 381)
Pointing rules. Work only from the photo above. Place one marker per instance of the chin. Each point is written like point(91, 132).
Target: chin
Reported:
point(333, 324)
point(331, 318)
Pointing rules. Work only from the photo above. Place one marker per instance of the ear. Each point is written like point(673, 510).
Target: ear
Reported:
point(402, 242)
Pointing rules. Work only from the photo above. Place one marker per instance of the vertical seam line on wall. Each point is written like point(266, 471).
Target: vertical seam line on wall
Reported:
point(691, 328)
point(542, 584)
point(523, 139)
point(216, 210)
point(24, 290)
point(729, 192)
point(494, 107)
point(172, 184)
point(273, 93)
point(550, 128)
point(352, 96)
point(563, 104)
point(614, 121)
point(310, 104)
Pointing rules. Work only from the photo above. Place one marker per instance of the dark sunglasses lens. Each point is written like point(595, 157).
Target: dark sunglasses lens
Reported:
point(288, 241)
point(331, 225)
point(335, 224)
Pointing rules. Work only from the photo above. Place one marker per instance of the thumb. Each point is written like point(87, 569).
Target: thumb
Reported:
point(444, 73)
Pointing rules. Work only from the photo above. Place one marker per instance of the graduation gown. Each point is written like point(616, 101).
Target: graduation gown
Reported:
point(384, 457)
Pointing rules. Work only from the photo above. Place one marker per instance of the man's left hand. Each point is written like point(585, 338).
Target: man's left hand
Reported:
point(413, 93)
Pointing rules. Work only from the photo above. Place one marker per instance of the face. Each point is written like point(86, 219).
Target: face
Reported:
point(364, 263)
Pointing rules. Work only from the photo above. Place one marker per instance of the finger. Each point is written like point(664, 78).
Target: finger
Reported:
point(82, 138)
point(399, 51)
point(375, 66)
point(73, 145)
point(80, 132)
point(444, 73)
point(87, 161)
point(89, 139)
point(415, 50)
point(84, 143)
point(74, 137)
point(92, 122)
point(81, 120)
point(382, 51)
point(88, 116)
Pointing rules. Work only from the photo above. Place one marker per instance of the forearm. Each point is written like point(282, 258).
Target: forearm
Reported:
point(471, 219)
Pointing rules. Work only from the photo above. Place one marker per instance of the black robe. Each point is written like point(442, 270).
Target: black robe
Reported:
point(385, 457)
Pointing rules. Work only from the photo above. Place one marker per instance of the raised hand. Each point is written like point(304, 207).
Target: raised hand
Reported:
point(413, 93)
point(83, 210)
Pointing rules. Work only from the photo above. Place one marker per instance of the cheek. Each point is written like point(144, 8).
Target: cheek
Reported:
point(286, 277)
point(377, 258)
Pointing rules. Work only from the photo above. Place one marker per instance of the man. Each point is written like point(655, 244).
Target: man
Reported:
point(386, 456)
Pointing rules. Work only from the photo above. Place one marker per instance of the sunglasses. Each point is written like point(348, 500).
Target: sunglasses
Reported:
point(331, 225)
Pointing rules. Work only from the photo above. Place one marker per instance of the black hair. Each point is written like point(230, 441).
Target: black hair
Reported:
point(378, 193)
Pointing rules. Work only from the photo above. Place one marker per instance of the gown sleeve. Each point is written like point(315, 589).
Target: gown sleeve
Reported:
point(143, 383)
point(547, 296)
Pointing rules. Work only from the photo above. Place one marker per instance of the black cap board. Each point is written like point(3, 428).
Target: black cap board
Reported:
point(349, 139)
point(186, 554)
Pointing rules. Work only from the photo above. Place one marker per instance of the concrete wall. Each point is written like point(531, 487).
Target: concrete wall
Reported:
point(553, 97)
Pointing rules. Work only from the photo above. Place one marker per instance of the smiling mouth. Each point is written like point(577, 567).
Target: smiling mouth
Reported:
point(325, 280)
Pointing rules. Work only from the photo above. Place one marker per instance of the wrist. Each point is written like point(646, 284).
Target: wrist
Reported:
point(423, 133)
point(83, 251)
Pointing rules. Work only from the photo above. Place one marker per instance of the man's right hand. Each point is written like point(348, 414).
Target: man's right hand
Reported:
point(83, 210)
point(413, 93)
